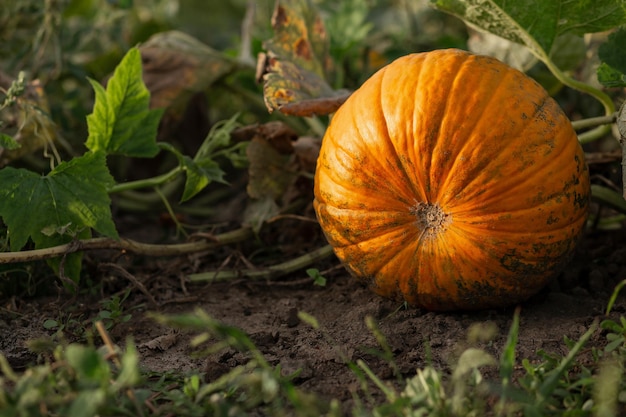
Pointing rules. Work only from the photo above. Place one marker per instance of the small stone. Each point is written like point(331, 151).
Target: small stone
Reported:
point(292, 317)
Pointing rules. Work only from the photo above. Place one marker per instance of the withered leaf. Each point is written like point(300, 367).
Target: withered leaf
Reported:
point(299, 36)
point(176, 66)
point(163, 342)
point(278, 135)
point(295, 65)
point(307, 150)
point(259, 211)
point(277, 159)
point(269, 170)
point(27, 122)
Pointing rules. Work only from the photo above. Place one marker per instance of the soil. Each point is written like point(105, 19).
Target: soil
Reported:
point(268, 312)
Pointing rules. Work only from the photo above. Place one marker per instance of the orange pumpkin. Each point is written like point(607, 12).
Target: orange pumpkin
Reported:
point(452, 180)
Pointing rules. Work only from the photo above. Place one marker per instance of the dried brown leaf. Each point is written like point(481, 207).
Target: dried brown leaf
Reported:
point(163, 342)
point(277, 159)
point(269, 170)
point(307, 150)
point(293, 69)
point(176, 66)
point(27, 121)
point(299, 36)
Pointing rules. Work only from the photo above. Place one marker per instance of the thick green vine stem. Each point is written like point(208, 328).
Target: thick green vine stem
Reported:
point(139, 248)
point(593, 122)
point(269, 272)
point(148, 182)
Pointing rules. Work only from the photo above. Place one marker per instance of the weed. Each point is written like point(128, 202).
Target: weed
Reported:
point(113, 312)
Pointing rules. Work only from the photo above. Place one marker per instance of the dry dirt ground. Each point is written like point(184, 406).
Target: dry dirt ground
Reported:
point(268, 312)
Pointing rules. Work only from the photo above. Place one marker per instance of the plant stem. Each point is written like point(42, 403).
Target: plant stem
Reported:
point(594, 121)
point(170, 211)
point(146, 183)
point(149, 198)
point(608, 197)
point(594, 134)
point(270, 272)
point(139, 248)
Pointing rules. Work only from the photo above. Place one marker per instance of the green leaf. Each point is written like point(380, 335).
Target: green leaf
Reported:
point(129, 374)
point(568, 51)
point(199, 175)
point(537, 23)
point(610, 77)
point(318, 278)
point(612, 53)
point(122, 122)
point(507, 360)
point(71, 198)
point(613, 50)
point(7, 142)
point(348, 23)
point(590, 16)
point(218, 138)
point(203, 169)
point(87, 403)
point(89, 365)
point(50, 324)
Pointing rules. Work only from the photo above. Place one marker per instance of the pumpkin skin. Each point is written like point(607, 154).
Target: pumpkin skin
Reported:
point(453, 181)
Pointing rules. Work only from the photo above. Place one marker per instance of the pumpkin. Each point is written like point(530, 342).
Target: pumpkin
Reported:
point(453, 181)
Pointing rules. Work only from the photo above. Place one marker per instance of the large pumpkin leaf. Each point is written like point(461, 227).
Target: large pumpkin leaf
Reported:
point(537, 23)
point(295, 65)
point(70, 199)
point(122, 122)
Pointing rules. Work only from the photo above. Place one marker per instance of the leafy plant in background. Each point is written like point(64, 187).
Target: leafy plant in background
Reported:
point(72, 200)
point(78, 381)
